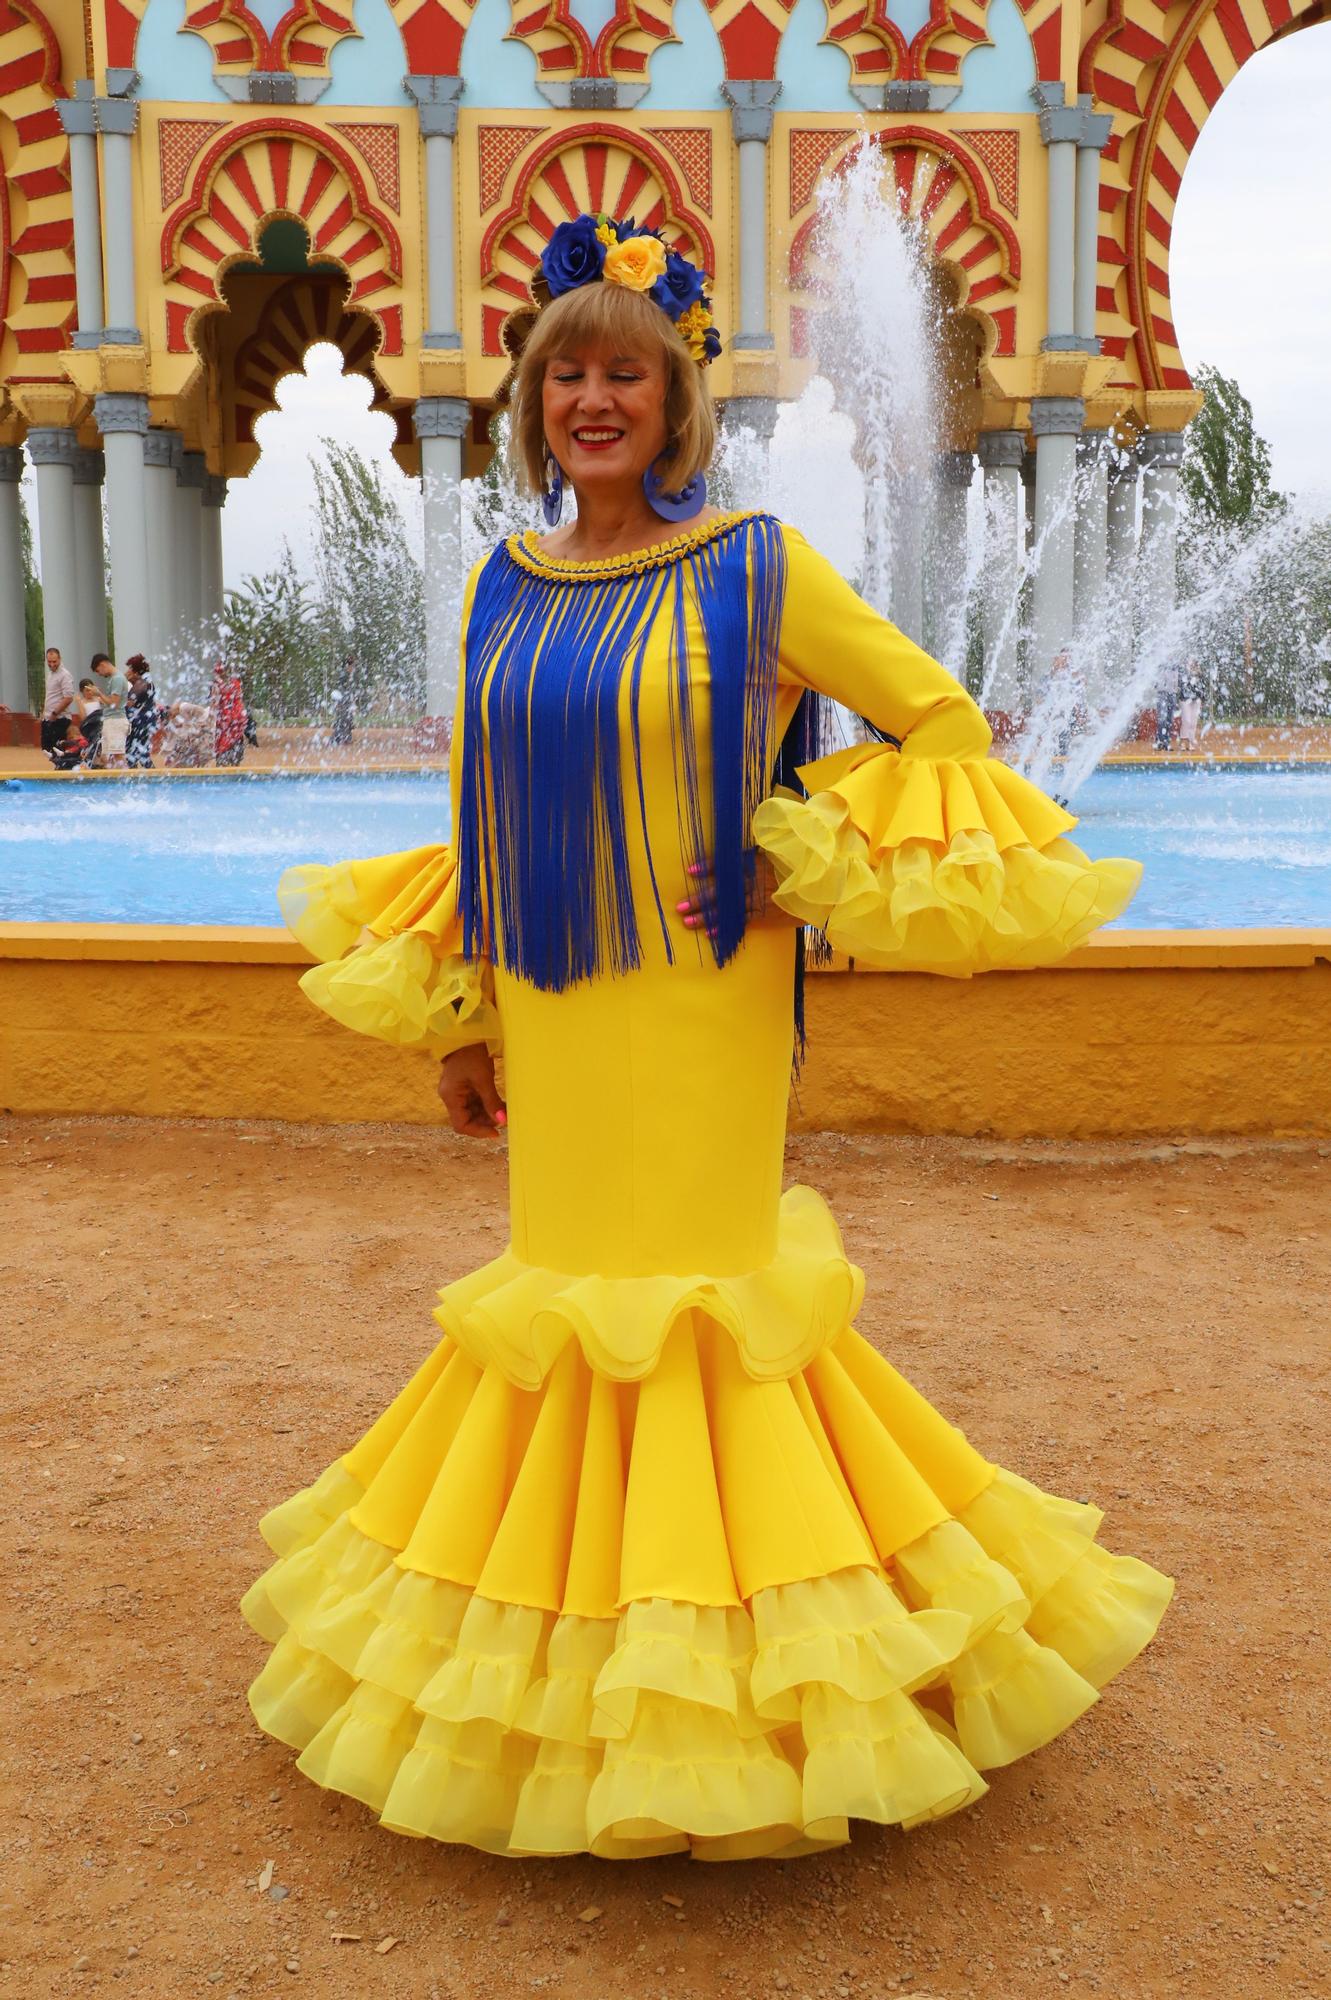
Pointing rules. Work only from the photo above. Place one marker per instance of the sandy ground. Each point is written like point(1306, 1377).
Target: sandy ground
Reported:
point(310, 749)
point(200, 1317)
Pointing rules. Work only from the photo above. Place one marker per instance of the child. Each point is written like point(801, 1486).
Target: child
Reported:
point(90, 718)
point(68, 753)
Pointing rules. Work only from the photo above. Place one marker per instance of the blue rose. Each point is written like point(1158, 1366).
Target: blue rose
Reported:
point(573, 256)
point(679, 287)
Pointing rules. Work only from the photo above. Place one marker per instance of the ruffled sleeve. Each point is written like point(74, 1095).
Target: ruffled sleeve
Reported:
point(389, 940)
point(388, 937)
point(925, 854)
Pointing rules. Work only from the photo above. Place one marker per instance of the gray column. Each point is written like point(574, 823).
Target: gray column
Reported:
point(1157, 555)
point(90, 554)
point(748, 424)
point(13, 635)
point(1060, 129)
point(907, 601)
point(1055, 424)
point(1120, 566)
point(116, 119)
point(945, 597)
point(123, 423)
point(78, 115)
point(52, 449)
point(1091, 142)
point(191, 472)
point(161, 455)
point(751, 113)
point(211, 502)
point(441, 424)
point(1002, 455)
point(436, 100)
point(1094, 616)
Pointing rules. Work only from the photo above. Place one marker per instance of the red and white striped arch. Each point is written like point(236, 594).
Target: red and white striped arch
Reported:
point(947, 191)
point(1161, 74)
point(37, 291)
point(589, 168)
point(299, 315)
point(258, 173)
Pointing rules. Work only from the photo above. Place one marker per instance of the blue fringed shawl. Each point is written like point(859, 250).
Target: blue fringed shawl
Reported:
point(542, 819)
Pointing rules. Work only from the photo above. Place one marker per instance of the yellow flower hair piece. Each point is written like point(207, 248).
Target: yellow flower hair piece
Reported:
point(636, 263)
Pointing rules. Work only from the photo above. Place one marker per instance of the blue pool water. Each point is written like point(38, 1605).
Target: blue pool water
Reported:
point(1222, 848)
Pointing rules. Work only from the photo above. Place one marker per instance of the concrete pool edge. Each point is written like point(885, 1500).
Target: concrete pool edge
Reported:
point(1139, 1033)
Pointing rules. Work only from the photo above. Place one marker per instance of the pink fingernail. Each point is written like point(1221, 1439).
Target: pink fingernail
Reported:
point(694, 868)
point(682, 907)
point(501, 1117)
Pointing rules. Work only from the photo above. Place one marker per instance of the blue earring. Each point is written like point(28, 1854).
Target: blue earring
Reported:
point(681, 506)
point(552, 493)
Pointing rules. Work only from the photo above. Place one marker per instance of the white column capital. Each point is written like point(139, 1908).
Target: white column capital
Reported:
point(436, 100)
point(954, 468)
point(1161, 450)
point(162, 448)
point(214, 490)
point(1057, 416)
point(997, 448)
point(191, 469)
point(114, 413)
point(53, 444)
point(442, 416)
point(752, 413)
point(89, 467)
point(11, 463)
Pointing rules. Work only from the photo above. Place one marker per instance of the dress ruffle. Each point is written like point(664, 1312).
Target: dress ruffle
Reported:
point(468, 1639)
point(520, 1316)
point(951, 866)
point(389, 941)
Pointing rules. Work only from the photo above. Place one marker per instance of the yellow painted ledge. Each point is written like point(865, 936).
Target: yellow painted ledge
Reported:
point(1146, 1033)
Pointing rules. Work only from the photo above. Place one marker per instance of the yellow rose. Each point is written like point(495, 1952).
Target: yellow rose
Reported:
point(637, 263)
point(606, 235)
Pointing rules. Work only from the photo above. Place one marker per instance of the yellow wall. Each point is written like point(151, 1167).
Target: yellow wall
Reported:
point(1189, 1032)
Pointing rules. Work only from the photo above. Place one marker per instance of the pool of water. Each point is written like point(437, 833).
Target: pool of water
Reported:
point(1222, 849)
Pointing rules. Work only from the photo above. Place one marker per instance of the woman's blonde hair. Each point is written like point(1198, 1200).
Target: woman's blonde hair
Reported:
point(627, 322)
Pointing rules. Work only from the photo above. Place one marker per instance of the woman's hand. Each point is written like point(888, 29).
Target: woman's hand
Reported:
point(696, 910)
point(468, 1093)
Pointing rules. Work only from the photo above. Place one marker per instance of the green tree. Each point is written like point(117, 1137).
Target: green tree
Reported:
point(32, 610)
point(1226, 473)
point(270, 631)
point(369, 586)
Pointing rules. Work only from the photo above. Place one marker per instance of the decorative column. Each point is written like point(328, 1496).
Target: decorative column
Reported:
point(751, 113)
point(1056, 422)
point(1089, 567)
point(123, 423)
point(191, 472)
point(436, 99)
point(1120, 566)
point(441, 424)
point(1091, 142)
point(1061, 129)
point(945, 597)
point(90, 554)
point(161, 455)
point(1002, 456)
point(78, 115)
point(749, 423)
point(211, 502)
point(116, 119)
point(13, 635)
point(52, 449)
point(1157, 556)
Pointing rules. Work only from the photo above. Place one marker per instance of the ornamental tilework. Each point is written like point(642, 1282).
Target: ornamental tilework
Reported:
point(693, 149)
point(809, 153)
point(999, 150)
point(498, 146)
point(377, 146)
point(179, 141)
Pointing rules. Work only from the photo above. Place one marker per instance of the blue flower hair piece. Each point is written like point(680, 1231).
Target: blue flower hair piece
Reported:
point(596, 249)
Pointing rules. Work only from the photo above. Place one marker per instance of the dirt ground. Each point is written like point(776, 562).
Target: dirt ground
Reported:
point(200, 1317)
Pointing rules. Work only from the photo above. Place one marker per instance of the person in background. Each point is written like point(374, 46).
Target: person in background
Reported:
point(228, 705)
point(188, 742)
point(72, 748)
point(1192, 693)
point(1166, 703)
point(61, 703)
point(115, 692)
point(141, 713)
point(90, 718)
point(344, 703)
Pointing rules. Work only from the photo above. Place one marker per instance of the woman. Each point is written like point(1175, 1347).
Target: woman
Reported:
point(228, 705)
point(654, 1552)
point(141, 713)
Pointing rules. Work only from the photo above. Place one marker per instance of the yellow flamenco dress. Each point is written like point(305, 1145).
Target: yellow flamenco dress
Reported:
point(654, 1553)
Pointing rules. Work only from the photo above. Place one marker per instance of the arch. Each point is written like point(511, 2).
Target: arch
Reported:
point(589, 167)
point(255, 174)
point(298, 316)
point(1161, 94)
point(37, 289)
point(300, 42)
point(946, 190)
